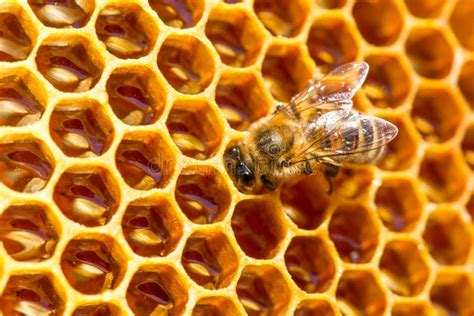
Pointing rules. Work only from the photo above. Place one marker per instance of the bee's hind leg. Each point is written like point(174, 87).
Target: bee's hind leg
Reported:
point(330, 171)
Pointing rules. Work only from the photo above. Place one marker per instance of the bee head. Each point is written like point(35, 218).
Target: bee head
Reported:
point(242, 175)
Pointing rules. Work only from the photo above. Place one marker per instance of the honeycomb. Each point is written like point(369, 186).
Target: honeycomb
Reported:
point(114, 199)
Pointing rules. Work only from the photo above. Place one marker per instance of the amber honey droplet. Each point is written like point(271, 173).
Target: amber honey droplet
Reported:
point(87, 197)
point(178, 13)
point(103, 309)
point(62, 13)
point(26, 233)
point(15, 44)
point(90, 267)
point(18, 106)
point(30, 294)
point(24, 167)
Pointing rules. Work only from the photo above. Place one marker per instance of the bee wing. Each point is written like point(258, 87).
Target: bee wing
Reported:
point(343, 136)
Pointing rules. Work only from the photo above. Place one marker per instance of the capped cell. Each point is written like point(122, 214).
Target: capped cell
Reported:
point(17, 34)
point(181, 14)
point(64, 13)
point(461, 23)
point(215, 306)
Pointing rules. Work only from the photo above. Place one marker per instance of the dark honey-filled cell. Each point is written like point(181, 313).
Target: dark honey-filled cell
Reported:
point(93, 263)
point(202, 194)
point(209, 259)
point(21, 99)
point(178, 13)
point(28, 232)
point(461, 23)
point(379, 21)
point(436, 113)
point(315, 307)
point(398, 204)
point(151, 226)
point(101, 309)
point(436, 173)
point(388, 82)
point(358, 293)
point(285, 72)
point(425, 8)
point(235, 36)
point(447, 237)
point(186, 63)
point(215, 306)
point(81, 128)
point(70, 64)
point(466, 78)
point(331, 43)
point(467, 145)
point(410, 308)
point(31, 294)
point(281, 17)
point(26, 165)
point(310, 264)
point(452, 293)
point(354, 233)
point(126, 30)
point(259, 227)
point(87, 195)
point(144, 160)
point(16, 43)
point(331, 4)
point(135, 95)
point(262, 290)
point(305, 200)
point(403, 269)
point(157, 290)
point(241, 99)
point(194, 128)
point(430, 53)
point(63, 13)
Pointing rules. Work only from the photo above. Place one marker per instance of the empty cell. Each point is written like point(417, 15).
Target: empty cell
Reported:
point(352, 182)
point(403, 268)
point(331, 43)
point(359, 293)
point(209, 259)
point(310, 264)
point(31, 294)
point(145, 160)
point(262, 290)
point(315, 307)
point(126, 30)
point(215, 306)
point(100, 309)
point(379, 21)
point(305, 200)
point(354, 233)
point(388, 82)
point(26, 164)
point(466, 78)
point(29, 232)
point(331, 4)
point(194, 128)
point(81, 128)
point(452, 293)
point(436, 113)
point(22, 98)
point(285, 71)
point(186, 63)
point(399, 204)
point(93, 263)
point(178, 13)
point(429, 52)
point(461, 23)
point(64, 13)
point(135, 95)
point(470, 207)
point(437, 171)
point(157, 290)
point(282, 18)
point(425, 8)
point(468, 145)
point(235, 36)
point(87, 194)
point(151, 226)
point(70, 64)
point(448, 237)
point(17, 34)
point(241, 99)
point(409, 308)
point(202, 194)
point(403, 150)
point(259, 227)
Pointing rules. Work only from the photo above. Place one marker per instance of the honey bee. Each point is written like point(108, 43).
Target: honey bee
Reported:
point(316, 131)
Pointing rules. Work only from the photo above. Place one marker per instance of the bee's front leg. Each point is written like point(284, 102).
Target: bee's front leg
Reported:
point(330, 171)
